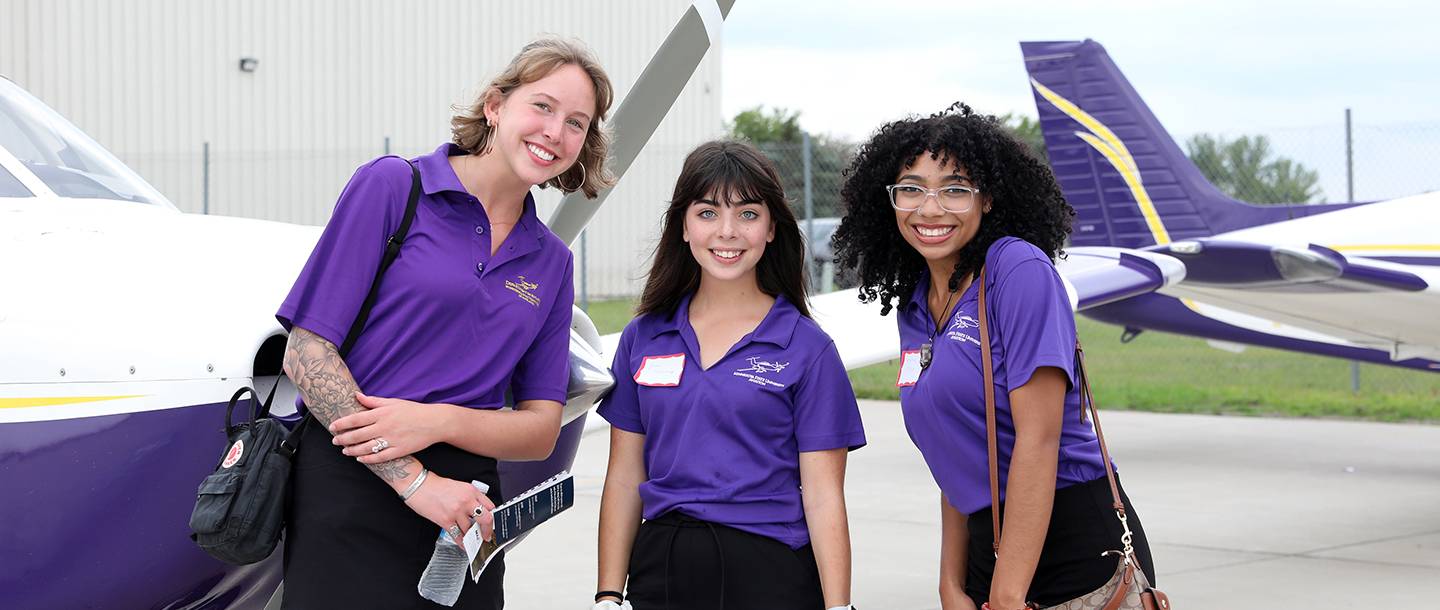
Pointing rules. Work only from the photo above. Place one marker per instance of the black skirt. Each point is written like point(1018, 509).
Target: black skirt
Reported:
point(1082, 526)
point(683, 563)
point(350, 542)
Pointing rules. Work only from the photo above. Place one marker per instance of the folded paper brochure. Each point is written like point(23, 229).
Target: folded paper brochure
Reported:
point(521, 514)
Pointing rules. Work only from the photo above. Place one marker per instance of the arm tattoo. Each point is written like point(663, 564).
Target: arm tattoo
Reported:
point(315, 366)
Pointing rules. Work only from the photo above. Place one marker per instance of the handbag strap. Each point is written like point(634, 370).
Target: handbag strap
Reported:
point(392, 251)
point(258, 410)
point(1086, 401)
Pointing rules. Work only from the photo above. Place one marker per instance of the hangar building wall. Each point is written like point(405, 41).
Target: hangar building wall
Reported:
point(155, 81)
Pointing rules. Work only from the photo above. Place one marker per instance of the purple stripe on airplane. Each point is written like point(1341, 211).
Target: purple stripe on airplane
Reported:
point(1228, 263)
point(96, 513)
point(1252, 266)
point(1167, 314)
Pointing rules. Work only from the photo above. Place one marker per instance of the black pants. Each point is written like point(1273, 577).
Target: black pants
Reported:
point(682, 563)
point(350, 542)
point(1082, 526)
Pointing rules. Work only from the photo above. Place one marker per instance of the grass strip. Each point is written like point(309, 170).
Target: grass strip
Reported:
point(1169, 373)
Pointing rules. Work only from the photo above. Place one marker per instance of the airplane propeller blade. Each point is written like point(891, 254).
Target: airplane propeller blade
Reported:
point(647, 103)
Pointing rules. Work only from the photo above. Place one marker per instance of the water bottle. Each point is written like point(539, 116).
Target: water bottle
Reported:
point(444, 576)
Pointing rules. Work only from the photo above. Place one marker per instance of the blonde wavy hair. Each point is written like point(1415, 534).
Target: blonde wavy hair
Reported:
point(472, 132)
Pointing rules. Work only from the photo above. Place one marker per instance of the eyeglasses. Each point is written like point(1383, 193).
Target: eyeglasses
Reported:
point(954, 199)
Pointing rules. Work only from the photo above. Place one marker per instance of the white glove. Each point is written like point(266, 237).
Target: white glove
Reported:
point(610, 605)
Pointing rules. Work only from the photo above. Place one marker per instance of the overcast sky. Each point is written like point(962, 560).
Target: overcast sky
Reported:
point(1288, 69)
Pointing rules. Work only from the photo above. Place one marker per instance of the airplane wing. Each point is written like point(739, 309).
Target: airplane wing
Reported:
point(1156, 246)
point(861, 334)
point(1346, 289)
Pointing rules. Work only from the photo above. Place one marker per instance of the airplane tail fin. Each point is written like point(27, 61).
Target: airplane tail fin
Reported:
point(1129, 182)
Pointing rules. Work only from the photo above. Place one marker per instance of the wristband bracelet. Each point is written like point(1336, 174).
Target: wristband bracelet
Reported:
point(414, 485)
point(615, 594)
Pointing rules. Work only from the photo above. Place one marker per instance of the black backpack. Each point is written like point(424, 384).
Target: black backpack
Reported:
point(240, 512)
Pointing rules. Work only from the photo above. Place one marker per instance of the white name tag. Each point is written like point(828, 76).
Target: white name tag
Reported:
point(661, 371)
point(909, 368)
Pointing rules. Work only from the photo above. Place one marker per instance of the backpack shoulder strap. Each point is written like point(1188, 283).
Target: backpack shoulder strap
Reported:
point(392, 250)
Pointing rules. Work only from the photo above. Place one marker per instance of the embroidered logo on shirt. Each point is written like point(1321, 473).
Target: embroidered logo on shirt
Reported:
point(958, 327)
point(523, 289)
point(760, 366)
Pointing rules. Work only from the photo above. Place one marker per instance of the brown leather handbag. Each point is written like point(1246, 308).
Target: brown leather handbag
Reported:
point(1128, 589)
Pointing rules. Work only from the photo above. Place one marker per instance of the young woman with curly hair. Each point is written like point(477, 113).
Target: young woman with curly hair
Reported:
point(930, 202)
point(731, 414)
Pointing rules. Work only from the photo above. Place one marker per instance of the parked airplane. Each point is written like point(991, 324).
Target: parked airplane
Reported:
point(126, 325)
point(1156, 246)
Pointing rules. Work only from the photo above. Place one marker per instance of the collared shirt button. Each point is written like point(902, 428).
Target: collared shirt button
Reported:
point(480, 267)
point(480, 230)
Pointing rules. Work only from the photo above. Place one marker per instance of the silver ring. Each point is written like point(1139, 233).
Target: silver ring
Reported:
point(479, 510)
point(380, 445)
point(454, 532)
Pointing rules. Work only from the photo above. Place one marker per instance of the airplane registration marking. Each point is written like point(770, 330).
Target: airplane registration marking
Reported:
point(50, 401)
point(1116, 153)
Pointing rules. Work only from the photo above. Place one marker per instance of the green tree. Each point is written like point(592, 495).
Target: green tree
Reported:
point(1246, 169)
point(777, 133)
point(1027, 130)
point(755, 125)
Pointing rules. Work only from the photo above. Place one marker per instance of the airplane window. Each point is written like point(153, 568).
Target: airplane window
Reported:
point(57, 153)
point(10, 187)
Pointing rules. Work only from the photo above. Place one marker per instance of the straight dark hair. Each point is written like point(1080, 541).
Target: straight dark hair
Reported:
point(742, 173)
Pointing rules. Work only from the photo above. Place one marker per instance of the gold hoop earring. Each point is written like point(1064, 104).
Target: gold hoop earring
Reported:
point(582, 179)
point(490, 138)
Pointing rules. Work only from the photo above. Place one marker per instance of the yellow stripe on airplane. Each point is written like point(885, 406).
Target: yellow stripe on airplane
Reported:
point(1132, 179)
point(1094, 125)
point(1116, 153)
point(50, 401)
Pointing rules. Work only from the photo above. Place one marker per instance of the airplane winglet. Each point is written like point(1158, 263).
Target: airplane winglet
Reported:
point(1104, 275)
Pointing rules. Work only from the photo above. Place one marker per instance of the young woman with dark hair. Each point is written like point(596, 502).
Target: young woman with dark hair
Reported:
point(930, 202)
point(731, 415)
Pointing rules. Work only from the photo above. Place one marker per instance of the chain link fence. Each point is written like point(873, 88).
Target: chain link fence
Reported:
point(812, 173)
point(1321, 164)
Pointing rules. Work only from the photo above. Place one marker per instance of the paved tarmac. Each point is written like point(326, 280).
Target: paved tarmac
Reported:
point(1241, 513)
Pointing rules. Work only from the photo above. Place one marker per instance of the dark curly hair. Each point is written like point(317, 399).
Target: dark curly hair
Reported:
point(1025, 199)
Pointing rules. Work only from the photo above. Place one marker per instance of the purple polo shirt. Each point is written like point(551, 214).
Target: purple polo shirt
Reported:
point(724, 444)
point(451, 324)
point(1031, 325)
